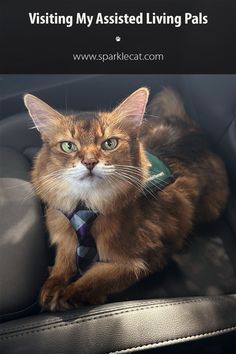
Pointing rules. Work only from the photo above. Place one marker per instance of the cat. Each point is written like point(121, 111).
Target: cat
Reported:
point(99, 160)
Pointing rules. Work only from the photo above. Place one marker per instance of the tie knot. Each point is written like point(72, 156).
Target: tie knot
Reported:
point(82, 220)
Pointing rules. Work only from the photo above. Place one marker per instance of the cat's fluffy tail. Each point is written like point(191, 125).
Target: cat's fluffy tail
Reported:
point(168, 103)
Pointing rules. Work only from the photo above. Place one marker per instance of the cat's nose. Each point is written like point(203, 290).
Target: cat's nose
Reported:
point(89, 163)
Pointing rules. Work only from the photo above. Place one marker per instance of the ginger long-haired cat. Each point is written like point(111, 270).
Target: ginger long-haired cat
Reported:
point(99, 162)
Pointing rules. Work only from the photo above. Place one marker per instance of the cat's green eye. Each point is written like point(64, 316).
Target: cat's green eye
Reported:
point(110, 144)
point(68, 147)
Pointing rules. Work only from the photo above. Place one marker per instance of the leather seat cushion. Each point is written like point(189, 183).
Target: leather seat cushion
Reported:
point(23, 252)
point(121, 327)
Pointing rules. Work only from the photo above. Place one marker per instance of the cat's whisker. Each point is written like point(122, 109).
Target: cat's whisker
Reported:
point(130, 169)
point(120, 174)
point(134, 172)
point(140, 173)
point(50, 180)
point(20, 184)
point(51, 187)
point(75, 174)
point(63, 173)
point(130, 166)
point(157, 183)
point(110, 179)
point(122, 178)
point(28, 196)
point(106, 173)
point(130, 176)
point(139, 176)
point(135, 182)
point(60, 170)
point(152, 115)
point(153, 183)
point(140, 186)
point(45, 187)
point(157, 170)
point(133, 175)
point(114, 180)
point(53, 173)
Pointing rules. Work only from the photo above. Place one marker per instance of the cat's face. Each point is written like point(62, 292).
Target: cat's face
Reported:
point(89, 157)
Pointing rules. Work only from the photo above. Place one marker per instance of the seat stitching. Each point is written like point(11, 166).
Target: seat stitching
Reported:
point(173, 340)
point(71, 317)
point(97, 317)
point(117, 308)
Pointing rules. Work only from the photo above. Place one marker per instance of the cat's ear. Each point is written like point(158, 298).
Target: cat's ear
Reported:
point(45, 118)
point(130, 112)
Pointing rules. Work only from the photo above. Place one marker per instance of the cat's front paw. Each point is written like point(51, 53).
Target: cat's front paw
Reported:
point(51, 295)
point(76, 294)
